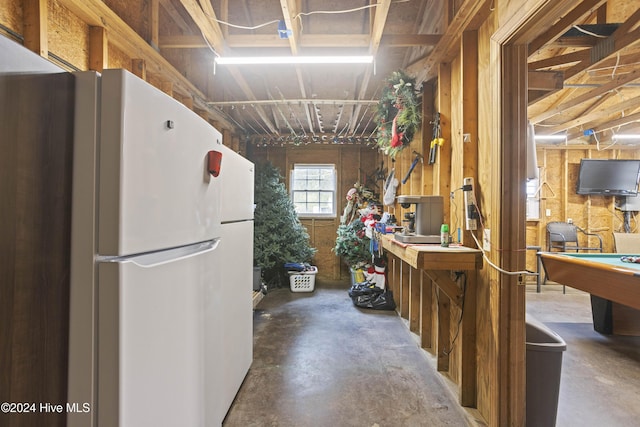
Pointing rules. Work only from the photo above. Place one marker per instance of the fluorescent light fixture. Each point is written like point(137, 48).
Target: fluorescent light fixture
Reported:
point(626, 137)
point(267, 60)
point(551, 137)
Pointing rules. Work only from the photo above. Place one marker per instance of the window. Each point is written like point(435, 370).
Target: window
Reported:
point(533, 198)
point(313, 190)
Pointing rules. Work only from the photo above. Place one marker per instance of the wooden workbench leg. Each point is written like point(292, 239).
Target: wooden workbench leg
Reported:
point(404, 289)
point(426, 316)
point(393, 278)
point(444, 331)
point(468, 348)
point(414, 299)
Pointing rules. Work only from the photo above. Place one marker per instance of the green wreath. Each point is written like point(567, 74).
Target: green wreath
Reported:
point(399, 113)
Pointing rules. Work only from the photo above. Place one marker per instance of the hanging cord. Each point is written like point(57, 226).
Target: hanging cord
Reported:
point(582, 30)
point(484, 253)
point(298, 16)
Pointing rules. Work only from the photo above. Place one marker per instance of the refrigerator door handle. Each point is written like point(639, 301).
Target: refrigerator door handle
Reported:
point(154, 259)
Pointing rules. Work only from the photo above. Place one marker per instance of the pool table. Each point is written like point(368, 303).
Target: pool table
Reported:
point(604, 276)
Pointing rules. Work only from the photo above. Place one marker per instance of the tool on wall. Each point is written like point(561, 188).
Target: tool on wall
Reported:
point(437, 139)
point(418, 158)
point(390, 186)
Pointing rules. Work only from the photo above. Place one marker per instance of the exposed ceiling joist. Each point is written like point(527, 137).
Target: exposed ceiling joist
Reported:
point(304, 40)
point(98, 14)
point(622, 38)
point(559, 28)
point(205, 19)
point(613, 84)
point(468, 17)
point(608, 124)
point(377, 27)
point(585, 120)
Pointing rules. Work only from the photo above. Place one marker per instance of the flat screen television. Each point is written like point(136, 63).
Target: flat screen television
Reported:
point(608, 177)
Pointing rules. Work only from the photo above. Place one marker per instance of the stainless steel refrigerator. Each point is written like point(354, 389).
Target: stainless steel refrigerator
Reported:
point(160, 311)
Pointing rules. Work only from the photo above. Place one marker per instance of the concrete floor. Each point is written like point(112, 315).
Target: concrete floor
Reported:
point(600, 380)
point(320, 361)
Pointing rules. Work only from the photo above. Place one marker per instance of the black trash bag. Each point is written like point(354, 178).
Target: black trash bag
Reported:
point(363, 288)
point(365, 295)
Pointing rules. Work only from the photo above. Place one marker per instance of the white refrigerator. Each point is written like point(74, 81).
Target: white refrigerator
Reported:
point(160, 328)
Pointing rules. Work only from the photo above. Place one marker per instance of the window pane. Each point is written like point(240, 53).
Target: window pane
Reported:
point(326, 197)
point(299, 197)
point(533, 199)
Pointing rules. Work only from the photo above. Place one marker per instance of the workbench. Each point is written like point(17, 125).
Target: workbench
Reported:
point(427, 280)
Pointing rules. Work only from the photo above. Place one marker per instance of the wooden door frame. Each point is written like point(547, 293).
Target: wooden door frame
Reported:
point(509, 47)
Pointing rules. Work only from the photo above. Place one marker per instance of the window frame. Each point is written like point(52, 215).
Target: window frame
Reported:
point(333, 191)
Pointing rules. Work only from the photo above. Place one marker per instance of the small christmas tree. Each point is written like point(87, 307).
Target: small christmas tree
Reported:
point(352, 244)
point(279, 237)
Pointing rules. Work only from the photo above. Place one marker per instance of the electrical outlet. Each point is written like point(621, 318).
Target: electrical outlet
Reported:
point(486, 239)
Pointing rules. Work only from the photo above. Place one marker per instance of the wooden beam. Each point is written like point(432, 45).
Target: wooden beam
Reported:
point(224, 14)
point(415, 300)
point(426, 319)
point(377, 27)
point(444, 326)
point(336, 41)
point(448, 286)
point(578, 41)
point(205, 18)
point(154, 19)
point(442, 168)
point(581, 10)
point(469, 92)
point(613, 84)
point(470, 15)
point(609, 124)
point(559, 60)
point(406, 40)
point(139, 68)
point(35, 24)
point(182, 42)
point(585, 119)
point(546, 80)
point(96, 13)
point(379, 21)
point(207, 22)
point(98, 49)
point(508, 211)
point(625, 36)
point(289, 11)
point(176, 17)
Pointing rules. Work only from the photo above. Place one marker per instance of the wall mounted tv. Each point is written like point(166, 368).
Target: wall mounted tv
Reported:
point(608, 177)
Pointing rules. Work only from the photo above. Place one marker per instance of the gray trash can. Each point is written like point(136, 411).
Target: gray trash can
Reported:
point(544, 364)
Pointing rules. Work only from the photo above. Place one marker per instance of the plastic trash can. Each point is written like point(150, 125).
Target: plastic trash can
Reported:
point(544, 365)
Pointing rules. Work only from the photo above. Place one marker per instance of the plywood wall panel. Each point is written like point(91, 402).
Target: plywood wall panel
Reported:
point(118, 59)
point(136, 14)
point(11, 16)
point(68, 36)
